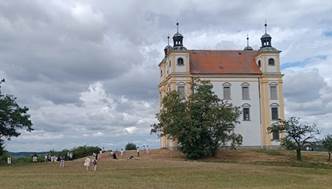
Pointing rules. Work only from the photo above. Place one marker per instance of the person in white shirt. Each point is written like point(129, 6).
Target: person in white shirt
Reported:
point(87, 162)
point(9, 160)
point(121, 152)
point(137, 150)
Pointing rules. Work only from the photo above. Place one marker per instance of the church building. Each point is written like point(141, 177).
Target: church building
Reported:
point(248, 78)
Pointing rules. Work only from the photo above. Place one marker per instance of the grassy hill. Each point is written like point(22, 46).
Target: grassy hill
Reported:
point(168, 169)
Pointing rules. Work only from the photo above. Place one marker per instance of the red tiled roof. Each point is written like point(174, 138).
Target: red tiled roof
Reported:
point(223, 62)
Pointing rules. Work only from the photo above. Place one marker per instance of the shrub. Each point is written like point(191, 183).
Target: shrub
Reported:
point(131, 146)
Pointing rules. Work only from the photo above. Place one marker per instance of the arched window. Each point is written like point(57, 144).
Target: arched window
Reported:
point(180, 62)
point(274, 112)
point(271, 62)
point(245, 91)
point(259, 63)
point(246, 112)
point(227, 91)
point(273, 91)
point(181, 89)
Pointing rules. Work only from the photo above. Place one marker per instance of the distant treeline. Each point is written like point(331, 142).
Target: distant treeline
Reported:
point(26, 157)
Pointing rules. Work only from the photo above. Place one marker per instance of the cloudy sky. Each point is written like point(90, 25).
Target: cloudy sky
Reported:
point(88, 69)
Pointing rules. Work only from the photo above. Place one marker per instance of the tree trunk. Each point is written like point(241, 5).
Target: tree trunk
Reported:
point(329, 157)
point(298, 155)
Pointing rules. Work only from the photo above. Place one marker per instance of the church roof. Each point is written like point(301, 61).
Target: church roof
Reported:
point(223, 62)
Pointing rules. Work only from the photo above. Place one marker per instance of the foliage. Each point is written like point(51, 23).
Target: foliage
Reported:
point(200, 124)
point(83, 151)
point(12, 118)
point(131, 146)
point(327, 143)
point(297, 134)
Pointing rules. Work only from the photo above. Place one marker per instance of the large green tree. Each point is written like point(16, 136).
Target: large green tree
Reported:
point(13, 118)
point(296, 134)
point(327, 143)
point(200, 124)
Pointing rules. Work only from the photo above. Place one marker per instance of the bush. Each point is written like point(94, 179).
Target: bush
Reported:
point(131, 146)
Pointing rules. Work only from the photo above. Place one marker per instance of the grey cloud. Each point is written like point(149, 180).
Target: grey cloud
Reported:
point(52, 51)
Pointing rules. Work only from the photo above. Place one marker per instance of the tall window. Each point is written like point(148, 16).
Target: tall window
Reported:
point(181, 91)
point(245, 91)
point(227, 91)
point(246, 114)
point(271, 62)
point(274, 113)
point(259, 63)
point(180, 62)
point(275, 135)
point(273, 92)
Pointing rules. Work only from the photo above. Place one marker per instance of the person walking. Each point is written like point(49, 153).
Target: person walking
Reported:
point(87, 162)
point(137, 150)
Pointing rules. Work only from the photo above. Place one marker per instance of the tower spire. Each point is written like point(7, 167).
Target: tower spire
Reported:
point(177, 27)
point(265, 25)
point(168, 40)
point(248, 48)
point(247, 40)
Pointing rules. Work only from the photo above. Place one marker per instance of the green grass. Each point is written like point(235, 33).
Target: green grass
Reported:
point(156, 172)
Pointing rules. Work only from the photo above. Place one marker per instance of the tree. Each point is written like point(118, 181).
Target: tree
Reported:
point(327, 143)
point(297, 134)
point(13, 118)
point(201, 124)
point(131, 146)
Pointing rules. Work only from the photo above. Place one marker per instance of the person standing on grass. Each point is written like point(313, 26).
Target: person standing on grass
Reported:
point(62, 161)
point(9, 160)
point(137, 150)
point(121, 152)
point(94, 163)
point(87, 162)
point(147, 149)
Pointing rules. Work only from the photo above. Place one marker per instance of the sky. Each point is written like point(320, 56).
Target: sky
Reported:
point(88, 69)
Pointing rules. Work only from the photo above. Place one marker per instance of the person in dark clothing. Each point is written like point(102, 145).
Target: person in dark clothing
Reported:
point(114, 156)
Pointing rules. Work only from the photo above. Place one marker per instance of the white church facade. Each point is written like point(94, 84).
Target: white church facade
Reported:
point(248, 78)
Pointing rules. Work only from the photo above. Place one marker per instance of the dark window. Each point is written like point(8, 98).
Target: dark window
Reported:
point(274, 112)
point(180, 62)
point(227, 93)
point(245, 93)
point(271, 62)
point(275, 135)
point(259, 63)
point(246, 114)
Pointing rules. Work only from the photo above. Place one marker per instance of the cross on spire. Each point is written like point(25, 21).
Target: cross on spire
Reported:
point(167, 40)
point(177, 27)
point(247, 40)
point(265, 25)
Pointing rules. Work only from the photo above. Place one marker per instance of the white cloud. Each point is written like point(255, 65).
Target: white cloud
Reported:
point(51, 51)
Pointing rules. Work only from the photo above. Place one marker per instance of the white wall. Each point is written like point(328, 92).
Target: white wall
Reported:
point(250, 130)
